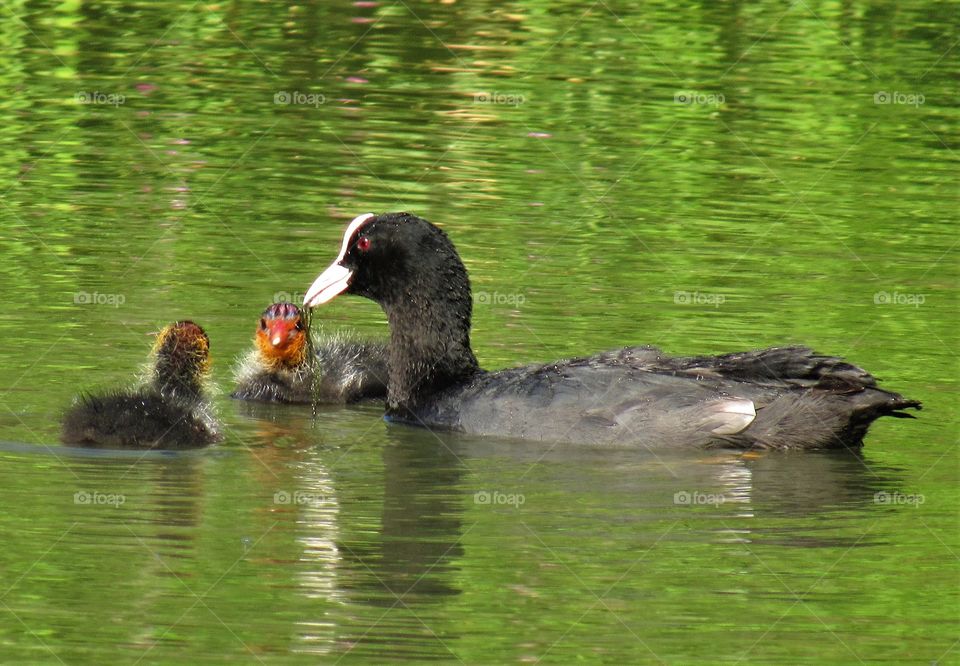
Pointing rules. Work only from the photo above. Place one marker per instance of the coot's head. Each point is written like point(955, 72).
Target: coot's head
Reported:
point(412, 270)
point(281, 336)
point(391, 259)
point(182, 353)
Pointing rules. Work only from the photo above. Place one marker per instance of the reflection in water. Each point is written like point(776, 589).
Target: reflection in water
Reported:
point(398, 559)
point(315, 503)
point(823, 481)
point(781, 486)
point(303, 495)
point(422, 515)
point(407, 568)
point(749, 488)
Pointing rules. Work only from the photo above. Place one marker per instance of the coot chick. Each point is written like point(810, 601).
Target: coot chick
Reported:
point(169, 412)
point(279, 368)
point(779, 398)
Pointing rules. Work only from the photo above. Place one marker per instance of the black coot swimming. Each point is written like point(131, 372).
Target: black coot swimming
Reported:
point(169, 412)
point(279, 368)
point(779, 398)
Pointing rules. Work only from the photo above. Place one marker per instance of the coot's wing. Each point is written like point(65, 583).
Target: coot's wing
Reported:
point(776, 366)
point(589, 401)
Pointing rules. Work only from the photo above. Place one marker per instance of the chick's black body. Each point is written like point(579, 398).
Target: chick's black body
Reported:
point(169, 412)
point(143, 419)
point(346, 371)
point(281, 368)
point(780, 398)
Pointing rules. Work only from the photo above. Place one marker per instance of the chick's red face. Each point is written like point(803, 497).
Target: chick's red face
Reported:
point(281, 335)
point(281, 332)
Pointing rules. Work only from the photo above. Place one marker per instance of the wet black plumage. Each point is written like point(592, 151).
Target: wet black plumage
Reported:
point(779, 398)
point(281, 367)
point(348, 371)
point(144, 418)
point(169, 412)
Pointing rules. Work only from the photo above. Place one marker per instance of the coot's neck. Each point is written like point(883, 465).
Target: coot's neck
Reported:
point(429, 344)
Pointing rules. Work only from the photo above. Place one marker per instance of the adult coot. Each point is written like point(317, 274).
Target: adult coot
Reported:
point(169, 412)
point(779, 398)
point(278, 369)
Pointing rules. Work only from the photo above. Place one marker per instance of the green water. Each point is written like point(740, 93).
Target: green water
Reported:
point(703, 177)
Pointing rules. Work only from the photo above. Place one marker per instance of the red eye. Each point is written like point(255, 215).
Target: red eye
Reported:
point(363, 243)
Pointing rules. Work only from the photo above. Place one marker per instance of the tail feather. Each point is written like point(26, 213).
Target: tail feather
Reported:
point(819, 419)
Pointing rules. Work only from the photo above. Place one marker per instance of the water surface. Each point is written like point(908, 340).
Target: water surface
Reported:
point(703, 178)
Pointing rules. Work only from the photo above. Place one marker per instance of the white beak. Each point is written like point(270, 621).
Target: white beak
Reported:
point(336, 278)
point(331, 282)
